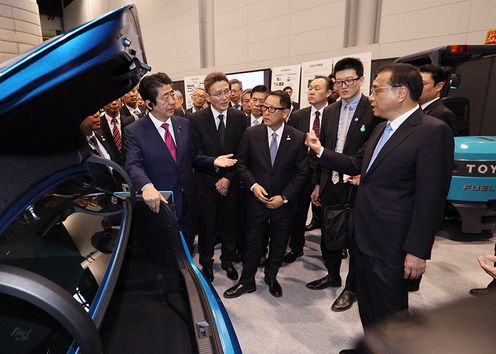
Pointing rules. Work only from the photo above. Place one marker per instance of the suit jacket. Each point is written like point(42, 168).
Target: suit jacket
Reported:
point(289, 173)
point(148, 159)
point(361, 126)
point(439, 110)
point(127, 117)
point(117, 156)
point(106, 145)
point(207, 142)
point(401, 199)
point(296, 105)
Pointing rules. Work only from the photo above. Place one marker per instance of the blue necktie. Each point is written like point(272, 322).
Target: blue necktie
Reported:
point(273, 148)
point(380, 144)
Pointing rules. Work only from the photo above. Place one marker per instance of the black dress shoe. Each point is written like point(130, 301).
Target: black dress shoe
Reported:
point(344, 254)
point(231, 272)
point(311, 227)
point(344, 301)
point(237, 258)
point(324, 282)
point(479, 292)
point(238, 290)
point(262, 261)
point(291, 256)
point(208, 272)
point(274, 286)
point(348, 351)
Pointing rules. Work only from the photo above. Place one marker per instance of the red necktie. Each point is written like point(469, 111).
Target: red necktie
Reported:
point(117, 135)
point(316, 124)
point(169, 141)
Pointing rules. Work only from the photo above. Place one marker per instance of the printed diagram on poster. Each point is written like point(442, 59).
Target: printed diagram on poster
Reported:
point(366, 59)
point(308, 71)
point(190, 83)
point(283, 76)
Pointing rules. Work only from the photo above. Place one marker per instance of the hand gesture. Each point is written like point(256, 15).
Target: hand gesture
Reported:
point(260, 193)
point(225, 161)
point(313, 142)
point(414, 266)
point(152, 198)
point(222, 186)
point(487, 263)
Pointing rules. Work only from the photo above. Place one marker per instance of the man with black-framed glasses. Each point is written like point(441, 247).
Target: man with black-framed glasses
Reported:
point(217, 130)
point(273, 165)
point(347, 125)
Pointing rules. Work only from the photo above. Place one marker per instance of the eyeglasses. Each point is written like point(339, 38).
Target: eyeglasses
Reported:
point(264, 108)
point(346, 83)
point(375, 90)
point(219, 94)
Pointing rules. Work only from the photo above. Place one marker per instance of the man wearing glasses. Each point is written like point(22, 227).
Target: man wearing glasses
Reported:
point(199, 99)
point(347, 125)
point(273, 165)
point(217, 131)
point(405, 171)
point(305, 120)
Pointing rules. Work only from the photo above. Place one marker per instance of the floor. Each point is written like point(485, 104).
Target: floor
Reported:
point(301, 321)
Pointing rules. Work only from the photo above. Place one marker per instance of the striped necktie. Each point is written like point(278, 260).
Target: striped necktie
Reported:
point(116, 134)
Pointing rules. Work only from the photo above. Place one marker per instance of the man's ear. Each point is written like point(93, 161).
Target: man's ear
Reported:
point(149, 105)
point(439, 87)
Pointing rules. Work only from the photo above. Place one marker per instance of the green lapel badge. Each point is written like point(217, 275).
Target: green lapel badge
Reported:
point(362, 128)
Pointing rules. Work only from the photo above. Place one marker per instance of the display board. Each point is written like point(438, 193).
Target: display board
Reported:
point(309, 70)
point(190, 83)
point(283, 76)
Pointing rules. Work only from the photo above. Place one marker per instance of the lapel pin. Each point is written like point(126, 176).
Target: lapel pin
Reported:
point(356, 119)
point(288, 138)
point(362, 128)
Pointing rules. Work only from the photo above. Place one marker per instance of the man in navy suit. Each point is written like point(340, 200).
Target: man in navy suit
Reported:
point(160, 154)
point(405, 170)
point(273, 165)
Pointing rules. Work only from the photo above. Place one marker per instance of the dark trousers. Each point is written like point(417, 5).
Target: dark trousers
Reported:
point(279, 224)
point(297, 232)
point(381, 288)
point(217, 211)
point(336, 194)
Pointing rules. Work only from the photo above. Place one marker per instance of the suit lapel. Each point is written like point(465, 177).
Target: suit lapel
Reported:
point(180, 142)
point(156, 139)
point(212, 128)
point(405, 129)
point(355, 120)
point(263, 142)
point(333, 122)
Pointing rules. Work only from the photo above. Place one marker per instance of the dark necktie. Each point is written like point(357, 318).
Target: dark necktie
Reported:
point(221, 130)
point(169, 141)
point(94, 146)
point(316, 124)
point(116, 134)
point(237, 106)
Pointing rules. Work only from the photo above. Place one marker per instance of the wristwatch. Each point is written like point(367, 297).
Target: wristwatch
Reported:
point(284, 200)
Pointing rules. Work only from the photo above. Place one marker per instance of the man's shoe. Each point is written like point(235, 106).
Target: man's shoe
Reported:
point(274, 286)
point(238, 290)
point(291, 256)
point(262, 261)
point(348, 351)
point(344, 301)
point(208, 272)
point(324, 282)
point(479, 292)
point(231, 272)
point(311, 227)
point(237, 258)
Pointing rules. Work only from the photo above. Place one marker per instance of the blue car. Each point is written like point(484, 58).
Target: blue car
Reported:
point(83, 267)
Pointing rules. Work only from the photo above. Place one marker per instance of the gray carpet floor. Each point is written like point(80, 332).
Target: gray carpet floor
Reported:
point(301, 321)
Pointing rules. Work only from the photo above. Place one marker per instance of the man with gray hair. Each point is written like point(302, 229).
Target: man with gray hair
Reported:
point(179, 105)
point(236, 91)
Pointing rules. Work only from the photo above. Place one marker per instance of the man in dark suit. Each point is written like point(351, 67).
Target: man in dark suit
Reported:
point(245, 102)
point(199, 99)
point(289, 91)
point(273, 164)
point(236, 93)
point(433, 81)
point(405, 170)
point(130, 110)
point(347, 125)
point(160, 154)
point(218, 131)
point(179, 105)
point(306, 119)
point(112, 127)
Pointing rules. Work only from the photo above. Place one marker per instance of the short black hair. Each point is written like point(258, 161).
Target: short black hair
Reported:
point(404, 75)
point(349, 63)
point(148, 86)
point(287, 88)
point(436, 72)
point(259, 88)
point(329, 83)
point(284, 98)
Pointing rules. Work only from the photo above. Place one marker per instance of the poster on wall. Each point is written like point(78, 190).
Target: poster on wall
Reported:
point(366, 59)
point(308, 71)
point(283, 76)
point(190, 83)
